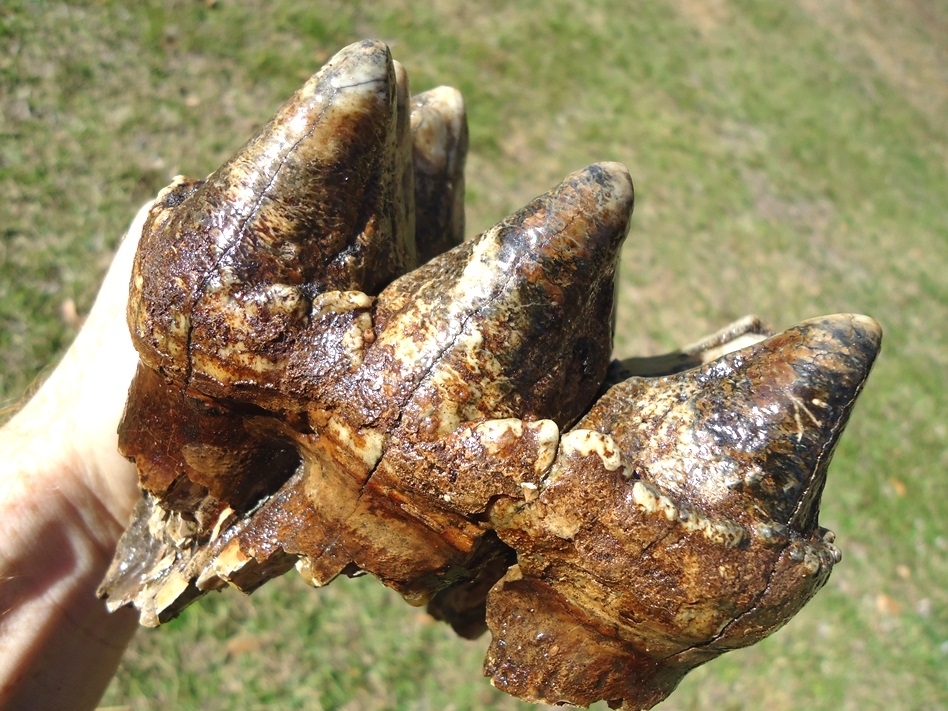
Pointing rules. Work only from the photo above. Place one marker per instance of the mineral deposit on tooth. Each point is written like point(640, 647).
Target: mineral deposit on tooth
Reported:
point(342, 384)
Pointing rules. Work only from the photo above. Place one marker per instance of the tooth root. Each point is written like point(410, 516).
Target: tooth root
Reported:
point(522, 312)
point(137, 554)
point(543, 650)
point(440, 140)
point(752, 433)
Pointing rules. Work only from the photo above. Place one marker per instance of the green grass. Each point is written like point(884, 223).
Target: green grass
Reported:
point(789, 160)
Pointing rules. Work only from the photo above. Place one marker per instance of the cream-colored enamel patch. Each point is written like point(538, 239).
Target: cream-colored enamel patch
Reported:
point(172, 589)
point(691, 463)
point(548, 440)
point(471, 341)
point(744, 340)
point(179, 325)
point(562, 525)
point(412, 339)
point(495, 434)
point(236, 354)
point(228, 561)
point(338, 302)
point(481, 272)
point(280, 298)
point(353, 340)
point(585, 443)
point(366, 443)
point(221, 366)
point(727, 533)
point(450, 413)
point(174, 342)
point(429, 337)
point(406, 348)
point(650, 500)
point(416, 339)
point(226, 517)
point(478, 367)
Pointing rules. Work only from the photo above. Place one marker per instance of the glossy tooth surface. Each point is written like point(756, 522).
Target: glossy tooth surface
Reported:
point(456, 429)
point(440, 141)
point(678, 520)
point(317, 201)
point(515, 322)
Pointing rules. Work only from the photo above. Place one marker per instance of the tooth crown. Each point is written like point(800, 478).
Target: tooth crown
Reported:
point(316, 202)
point(680, 515)
point(343, 384)
point(515, 322)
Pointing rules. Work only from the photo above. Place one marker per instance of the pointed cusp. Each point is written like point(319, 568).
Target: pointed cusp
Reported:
point(439, 149)
point(750, 434)
point(319, 200)
point(678, 521)
point(515, 322)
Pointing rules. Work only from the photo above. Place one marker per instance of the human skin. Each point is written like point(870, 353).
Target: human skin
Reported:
point(65, 498)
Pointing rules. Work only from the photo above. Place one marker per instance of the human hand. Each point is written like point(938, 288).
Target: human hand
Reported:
point(65, 498)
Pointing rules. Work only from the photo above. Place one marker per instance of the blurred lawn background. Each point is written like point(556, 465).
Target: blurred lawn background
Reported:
point(790, 160)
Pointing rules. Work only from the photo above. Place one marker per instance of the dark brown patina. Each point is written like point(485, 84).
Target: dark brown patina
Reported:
point(332, 379)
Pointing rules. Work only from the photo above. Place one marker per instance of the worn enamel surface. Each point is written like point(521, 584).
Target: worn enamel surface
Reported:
point(681, 516)
point(342, 384)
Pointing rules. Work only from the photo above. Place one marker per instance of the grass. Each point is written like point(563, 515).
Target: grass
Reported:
point(789, 160)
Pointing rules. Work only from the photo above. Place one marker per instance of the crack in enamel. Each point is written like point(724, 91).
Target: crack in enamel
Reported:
point(331, 379)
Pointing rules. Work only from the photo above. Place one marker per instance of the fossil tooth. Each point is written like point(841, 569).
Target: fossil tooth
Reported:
point(309, 396)
point(678, 521)
point(455, 351)
point(549, 269)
